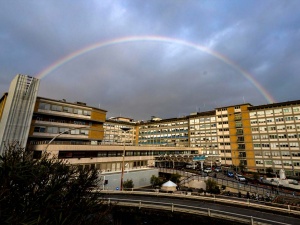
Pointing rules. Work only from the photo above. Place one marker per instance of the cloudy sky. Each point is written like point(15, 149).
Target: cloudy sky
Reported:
point(169, 58)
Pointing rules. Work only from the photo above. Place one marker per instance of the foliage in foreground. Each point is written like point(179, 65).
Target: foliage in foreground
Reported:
point(47, 191)
point(128, 184)
point(212, 186)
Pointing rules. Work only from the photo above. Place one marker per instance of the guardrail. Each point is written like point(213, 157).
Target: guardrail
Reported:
point(286, 209)
point(235, 217)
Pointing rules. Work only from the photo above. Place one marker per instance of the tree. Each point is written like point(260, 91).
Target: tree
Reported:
point(255, 176)
point(128, 184)
point(241, 167)
point(47, 190)
point(269, 170)
point(175, 178)
point(154, 180)
point(212, 187)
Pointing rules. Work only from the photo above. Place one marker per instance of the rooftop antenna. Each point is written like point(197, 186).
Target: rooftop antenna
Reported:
point(244, 100)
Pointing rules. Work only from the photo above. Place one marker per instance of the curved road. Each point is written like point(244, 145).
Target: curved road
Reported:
point(284, 219)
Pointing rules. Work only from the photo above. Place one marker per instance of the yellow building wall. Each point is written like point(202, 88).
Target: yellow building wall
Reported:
point(248, 137)
point(98, 115)
point(233, 137)
point(2, 104)
point(96, 131)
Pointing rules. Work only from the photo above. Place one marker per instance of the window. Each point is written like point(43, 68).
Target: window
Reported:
point(272, 128)
point(290, 127)
point(277, 111)
point(86, 113)
point(269, 112)
point(52, 130)
point(75, 132)
point(44, 106)
point(40, 129)
point(56, 108)
point(287, 110)
point(260, 113)
point(63, 130)
point(84, 132)
point(294, 144)
point(295, 154)
point(255, 137)
point(289, 118)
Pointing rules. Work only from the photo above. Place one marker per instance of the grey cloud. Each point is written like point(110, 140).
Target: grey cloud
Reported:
point(142, 79)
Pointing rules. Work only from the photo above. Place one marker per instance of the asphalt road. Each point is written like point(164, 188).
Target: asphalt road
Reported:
point(214, 206)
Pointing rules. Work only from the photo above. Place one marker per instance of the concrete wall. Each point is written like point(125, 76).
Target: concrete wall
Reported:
point(140, 178)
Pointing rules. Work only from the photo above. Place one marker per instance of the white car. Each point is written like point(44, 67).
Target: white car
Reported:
point(189, 166)
point(207, 170)
point(240, 177)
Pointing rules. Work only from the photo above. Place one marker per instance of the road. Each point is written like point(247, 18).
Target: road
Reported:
point(282, 219)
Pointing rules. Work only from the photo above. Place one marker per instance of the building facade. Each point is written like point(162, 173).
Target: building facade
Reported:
point(253, 137)
point(169, 132)
point(16, 110)
point(275, 132)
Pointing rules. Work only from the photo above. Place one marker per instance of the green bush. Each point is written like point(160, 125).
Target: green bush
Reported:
point(212, 187)
point(128, 184)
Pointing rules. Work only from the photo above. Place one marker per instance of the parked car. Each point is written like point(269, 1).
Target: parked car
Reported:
point(207, 170)
point(240, 177)
point(189, 166)
point(230, 174)
point(218, 169)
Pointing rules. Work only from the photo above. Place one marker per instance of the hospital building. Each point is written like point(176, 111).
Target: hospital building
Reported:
point(256, 137)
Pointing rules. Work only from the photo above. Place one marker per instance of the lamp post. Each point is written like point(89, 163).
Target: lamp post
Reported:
point(56, 136)
point(125, 129)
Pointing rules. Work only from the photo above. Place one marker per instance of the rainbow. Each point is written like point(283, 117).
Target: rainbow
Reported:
point(159, 39)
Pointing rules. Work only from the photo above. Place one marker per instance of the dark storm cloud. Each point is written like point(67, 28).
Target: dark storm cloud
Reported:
point(144, 79)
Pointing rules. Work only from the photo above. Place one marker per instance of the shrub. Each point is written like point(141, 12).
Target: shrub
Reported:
point(128, 184)
point(47, 190)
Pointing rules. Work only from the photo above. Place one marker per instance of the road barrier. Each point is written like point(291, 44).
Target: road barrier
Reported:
point(234, 217)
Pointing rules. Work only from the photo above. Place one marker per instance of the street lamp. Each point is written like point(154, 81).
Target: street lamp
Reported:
point(125, 129)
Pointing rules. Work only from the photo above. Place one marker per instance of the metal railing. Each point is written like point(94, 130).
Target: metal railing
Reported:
point(229, 216)
point(239, 186)
point(260, 205)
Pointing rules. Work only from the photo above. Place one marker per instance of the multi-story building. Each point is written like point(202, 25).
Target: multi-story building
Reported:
point(16, 109)
point(168, 132)
point(255, 137)
point(66, 123)
point(275, 132)
point(114, 133)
